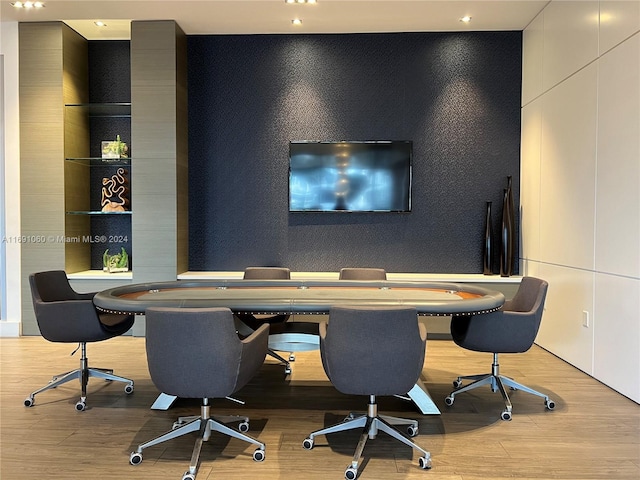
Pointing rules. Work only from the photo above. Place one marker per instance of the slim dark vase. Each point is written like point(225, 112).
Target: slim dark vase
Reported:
point(507, 236)
point(487, 261)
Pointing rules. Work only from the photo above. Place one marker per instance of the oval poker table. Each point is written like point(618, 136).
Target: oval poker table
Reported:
point(302, 298)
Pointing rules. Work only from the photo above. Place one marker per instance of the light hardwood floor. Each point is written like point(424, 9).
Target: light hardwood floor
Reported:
point(594, 433)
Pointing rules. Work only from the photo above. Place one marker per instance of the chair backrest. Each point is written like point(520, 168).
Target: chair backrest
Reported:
point(363, 274)
point(529, 297)
point(51, 286)
point(267, 273)
point(510, 330)
point(373, 350)
point(196, 352)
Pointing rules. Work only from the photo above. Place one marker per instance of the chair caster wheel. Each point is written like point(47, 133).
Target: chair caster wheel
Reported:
point(135, 458)
point(307, 444)
point(292, 358)
point(29, 401)
point(550, 404)
point(425, 463)
point(287, 370)
point(457, 383)
point(449, 400)
point(243, 427)
point(351, 473)
point(258, 455)
point(506, 415)
point(80, 406)
point(176, 425)
point(412, 430)
point(128, 389)
point(188, 476)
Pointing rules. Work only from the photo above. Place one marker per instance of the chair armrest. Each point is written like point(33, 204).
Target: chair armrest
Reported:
point(86, 296)
point(69, 321)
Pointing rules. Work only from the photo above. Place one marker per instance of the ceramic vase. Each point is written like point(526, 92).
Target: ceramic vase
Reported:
point(487, 254)
point(507, 236)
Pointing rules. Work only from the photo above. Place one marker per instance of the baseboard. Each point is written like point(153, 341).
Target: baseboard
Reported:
point(9, 328)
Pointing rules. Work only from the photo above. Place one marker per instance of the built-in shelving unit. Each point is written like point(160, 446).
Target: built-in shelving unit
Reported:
point(74, 94)
point(97, 190)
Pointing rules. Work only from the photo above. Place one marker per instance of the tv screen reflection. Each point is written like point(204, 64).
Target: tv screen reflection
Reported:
point(350, 176)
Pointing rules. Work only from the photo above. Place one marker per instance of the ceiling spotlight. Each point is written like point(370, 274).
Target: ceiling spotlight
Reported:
point(27, 4)
point(296, 21)
point(100, 23)
point(466, 19)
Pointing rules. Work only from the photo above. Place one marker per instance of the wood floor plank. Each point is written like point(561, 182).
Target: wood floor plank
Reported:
point(594, 433)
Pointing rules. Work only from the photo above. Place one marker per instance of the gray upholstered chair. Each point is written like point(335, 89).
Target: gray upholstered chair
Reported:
point(196, 353)
point(372, 351)
point(63, 315)
point(276, 322)
point(512, 329)
point(360, 273)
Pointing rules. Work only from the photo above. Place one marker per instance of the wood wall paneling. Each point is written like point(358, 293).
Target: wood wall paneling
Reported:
point(41, 153)
point(158, 96)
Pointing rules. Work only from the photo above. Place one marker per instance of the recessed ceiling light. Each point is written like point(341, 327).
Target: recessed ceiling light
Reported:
point(297, 21)
point(300, 1)
point(466, 19)
point(27, 4)
point(100, 24)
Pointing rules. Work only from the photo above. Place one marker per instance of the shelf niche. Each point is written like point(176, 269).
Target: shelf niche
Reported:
point(101, 115)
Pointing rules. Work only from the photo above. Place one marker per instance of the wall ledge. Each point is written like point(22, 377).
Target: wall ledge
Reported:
point(407, 277)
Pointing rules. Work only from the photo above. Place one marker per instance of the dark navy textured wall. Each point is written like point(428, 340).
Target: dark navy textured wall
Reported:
point(455, 95)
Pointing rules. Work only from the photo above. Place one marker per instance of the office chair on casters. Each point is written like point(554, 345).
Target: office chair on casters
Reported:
point(196, 353)
point(64, 315)
point(512, 329)
point(275, 321)
point(360, 273)
point(372, 351)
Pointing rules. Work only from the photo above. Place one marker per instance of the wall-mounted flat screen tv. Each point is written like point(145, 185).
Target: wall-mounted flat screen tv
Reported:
point(344, 176)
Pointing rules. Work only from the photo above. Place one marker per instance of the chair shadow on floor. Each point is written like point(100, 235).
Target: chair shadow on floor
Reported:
point(481, 408)
point(217, 447)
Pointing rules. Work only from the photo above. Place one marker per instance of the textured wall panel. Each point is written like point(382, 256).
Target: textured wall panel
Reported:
point(618, 165)
point(158, 79)
point(41, 151)
point(456, 96)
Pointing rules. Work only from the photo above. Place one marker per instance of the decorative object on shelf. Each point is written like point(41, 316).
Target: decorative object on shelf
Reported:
point(115, 263)
point(487, 254)
point(507, 236)
point(114, 191)
point(114, 149)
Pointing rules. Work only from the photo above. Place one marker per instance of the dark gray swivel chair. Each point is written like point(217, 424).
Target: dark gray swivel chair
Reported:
point(63, 315)
point(512, 329)
point(276, 322)
point(360, 273)
point(196, 353)
point(372, 351)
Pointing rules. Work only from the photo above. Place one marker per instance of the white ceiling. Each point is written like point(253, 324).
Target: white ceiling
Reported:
point(274, 16)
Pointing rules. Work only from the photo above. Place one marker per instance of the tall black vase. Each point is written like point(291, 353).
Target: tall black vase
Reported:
point(507, 236)
point(487, 254)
